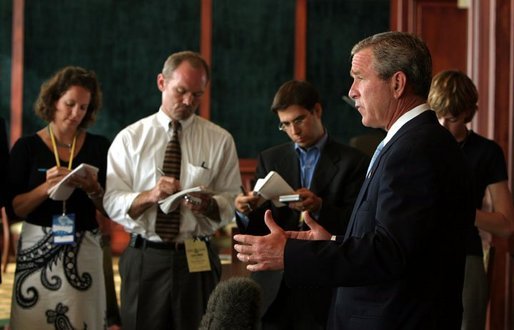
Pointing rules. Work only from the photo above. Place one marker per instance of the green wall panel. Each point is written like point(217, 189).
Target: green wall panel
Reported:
point(126, 43)
point(253, 54)
point(333, 28)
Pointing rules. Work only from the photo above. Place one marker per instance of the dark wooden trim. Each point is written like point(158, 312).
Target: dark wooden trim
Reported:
point(300, 44)
point(490, 63)
point(206, 51)
point(398, 15)
point(479, 43)
point(492, 70)
point(500, 90)
point(481, 25)
point(247, 167)
point(17, 70)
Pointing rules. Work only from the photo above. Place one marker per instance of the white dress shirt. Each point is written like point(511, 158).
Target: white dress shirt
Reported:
point(404, 119)
point(209, 159)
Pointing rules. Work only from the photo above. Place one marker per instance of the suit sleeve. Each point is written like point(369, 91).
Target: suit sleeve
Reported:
point(256, 225)
point(412, 200)
point(339, 200)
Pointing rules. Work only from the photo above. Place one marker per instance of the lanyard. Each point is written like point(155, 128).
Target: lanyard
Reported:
point(54, 147)
point(57, 160)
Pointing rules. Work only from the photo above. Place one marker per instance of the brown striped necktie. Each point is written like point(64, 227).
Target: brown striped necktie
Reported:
point(167, 225)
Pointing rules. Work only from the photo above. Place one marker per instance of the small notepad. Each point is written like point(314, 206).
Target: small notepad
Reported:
point(62, 190)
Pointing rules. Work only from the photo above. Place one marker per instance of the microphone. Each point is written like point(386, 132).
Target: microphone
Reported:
point(234, 304)
point(349, 101)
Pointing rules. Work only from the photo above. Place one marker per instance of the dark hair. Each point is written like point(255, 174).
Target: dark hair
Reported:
point(400, 51)
point(453, 92)
point(195, 59)
point(55, 87)
point(296, 92)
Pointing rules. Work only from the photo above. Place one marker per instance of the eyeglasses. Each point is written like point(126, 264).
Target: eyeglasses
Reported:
point(297, 122)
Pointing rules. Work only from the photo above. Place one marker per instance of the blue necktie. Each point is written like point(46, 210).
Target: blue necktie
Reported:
point(375, 156)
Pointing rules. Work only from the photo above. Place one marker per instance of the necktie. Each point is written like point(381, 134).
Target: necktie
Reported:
point(167, 225)
point(375, 156)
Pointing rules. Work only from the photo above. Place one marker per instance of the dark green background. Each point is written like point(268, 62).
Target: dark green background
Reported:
point(126, 43)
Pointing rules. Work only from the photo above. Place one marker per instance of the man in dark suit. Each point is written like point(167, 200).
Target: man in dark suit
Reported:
point(400, 264)
point(326, 174)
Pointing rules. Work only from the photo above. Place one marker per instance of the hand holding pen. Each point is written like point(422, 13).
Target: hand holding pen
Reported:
point(246, 202)
point(54, 175)
point(165, 186)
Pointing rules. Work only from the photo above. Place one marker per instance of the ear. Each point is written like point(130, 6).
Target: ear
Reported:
point(318, 110)
point(161, 82)
point(398, 84)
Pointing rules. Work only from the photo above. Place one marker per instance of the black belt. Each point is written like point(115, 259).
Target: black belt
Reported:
point(138, 242)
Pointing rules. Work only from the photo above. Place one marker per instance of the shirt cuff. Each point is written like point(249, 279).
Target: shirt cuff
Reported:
point(245, 221)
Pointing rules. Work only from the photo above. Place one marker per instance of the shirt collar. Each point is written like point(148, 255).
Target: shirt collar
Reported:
point(164, 120)
point(318, 145)
point(404, 119)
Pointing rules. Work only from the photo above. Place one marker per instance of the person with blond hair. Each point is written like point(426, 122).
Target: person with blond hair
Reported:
point(453, 96)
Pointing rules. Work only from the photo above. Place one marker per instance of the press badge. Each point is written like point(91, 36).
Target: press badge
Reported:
point(63, 228)
point(197, 256)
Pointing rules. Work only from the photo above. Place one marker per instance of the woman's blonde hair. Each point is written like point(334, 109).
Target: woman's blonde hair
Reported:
point(453, 93)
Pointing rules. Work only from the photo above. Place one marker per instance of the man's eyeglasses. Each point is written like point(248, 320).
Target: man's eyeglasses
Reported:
point(297, 122)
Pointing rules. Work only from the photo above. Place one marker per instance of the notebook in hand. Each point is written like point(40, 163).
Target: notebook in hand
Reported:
point(271, 187)
point(171, 202)
point(62, 190)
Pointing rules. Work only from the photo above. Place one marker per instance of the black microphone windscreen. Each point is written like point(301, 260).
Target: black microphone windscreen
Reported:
point(234, 304)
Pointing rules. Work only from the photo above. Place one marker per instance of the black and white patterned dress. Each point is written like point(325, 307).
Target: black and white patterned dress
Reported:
point(57, 286)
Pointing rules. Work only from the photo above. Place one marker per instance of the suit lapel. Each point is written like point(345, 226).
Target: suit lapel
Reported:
point(327, 161)
point(289, 167)
point(423, 118)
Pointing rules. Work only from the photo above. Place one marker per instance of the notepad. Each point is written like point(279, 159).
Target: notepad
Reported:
point(271, 188)
point(171, 202)
point(62, 190)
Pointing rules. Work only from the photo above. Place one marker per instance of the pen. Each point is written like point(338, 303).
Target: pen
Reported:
point(243, 190)
point(302, 220)
point(160, 171)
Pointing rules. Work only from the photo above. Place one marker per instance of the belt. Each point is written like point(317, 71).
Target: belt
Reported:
point(139, 242)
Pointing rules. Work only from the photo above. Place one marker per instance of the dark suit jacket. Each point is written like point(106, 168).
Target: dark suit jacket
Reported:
point(401, 263)
point(336, 180)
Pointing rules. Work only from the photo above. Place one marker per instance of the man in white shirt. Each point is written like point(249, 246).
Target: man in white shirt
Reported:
point(159, 290)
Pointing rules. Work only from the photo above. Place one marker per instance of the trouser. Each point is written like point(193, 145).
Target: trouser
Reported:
point(158, 292)
point(475, 294)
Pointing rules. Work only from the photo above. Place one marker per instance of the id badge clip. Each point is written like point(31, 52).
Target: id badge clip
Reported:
point(197, 256)
point(63, 228)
